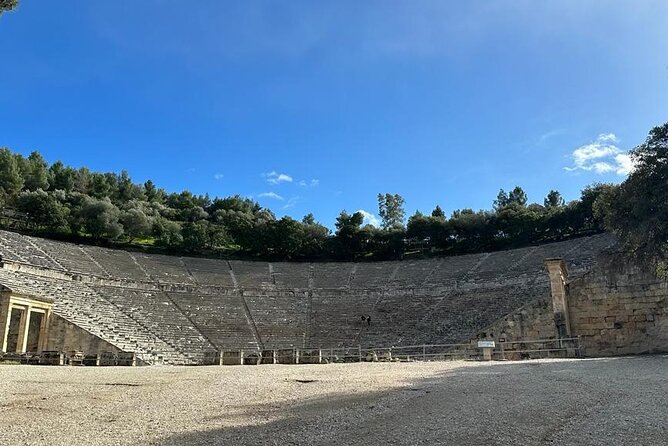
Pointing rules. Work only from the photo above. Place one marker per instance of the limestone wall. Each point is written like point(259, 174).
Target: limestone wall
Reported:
point(65, 336)
point(619, 309)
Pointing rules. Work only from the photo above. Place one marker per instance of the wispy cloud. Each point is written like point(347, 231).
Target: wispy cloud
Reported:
point(369, 218)
point(291, 203)
point(273, 195)
point(550, 134)
point(601, 156)
point(218, 176)
point(274, 177)
point(313, 183)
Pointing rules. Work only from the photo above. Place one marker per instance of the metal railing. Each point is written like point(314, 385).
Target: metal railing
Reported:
point(504, 350)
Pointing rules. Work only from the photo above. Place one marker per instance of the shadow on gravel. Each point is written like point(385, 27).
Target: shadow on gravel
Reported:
point(528, 403)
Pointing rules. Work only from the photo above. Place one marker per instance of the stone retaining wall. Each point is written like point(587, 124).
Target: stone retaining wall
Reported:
point(618, 308)
point(66, 336)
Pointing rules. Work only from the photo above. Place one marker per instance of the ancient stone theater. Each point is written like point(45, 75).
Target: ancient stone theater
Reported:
point(577, 298)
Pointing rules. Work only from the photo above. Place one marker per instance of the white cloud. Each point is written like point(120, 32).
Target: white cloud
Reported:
point(274, 177)
point(218, 176)
point(607, 137)
point(625, 163)
point(369, 218)
point(273, 195)
point(601, 156)
point(313, 183)
point(291, 203)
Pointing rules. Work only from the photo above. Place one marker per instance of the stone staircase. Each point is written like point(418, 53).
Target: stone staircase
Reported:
point(82, 306)
point(156, 311)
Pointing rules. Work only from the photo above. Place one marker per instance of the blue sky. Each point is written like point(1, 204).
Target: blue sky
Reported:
point(319, 106)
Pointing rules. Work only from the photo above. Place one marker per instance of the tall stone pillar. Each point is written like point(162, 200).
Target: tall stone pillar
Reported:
point(44, 331)
point(24, 325)
point(5, 316)
point(556, 268)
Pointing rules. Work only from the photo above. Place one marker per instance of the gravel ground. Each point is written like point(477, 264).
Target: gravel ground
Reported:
point(615, 401)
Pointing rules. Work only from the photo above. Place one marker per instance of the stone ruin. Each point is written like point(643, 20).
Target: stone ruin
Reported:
point(105, 303)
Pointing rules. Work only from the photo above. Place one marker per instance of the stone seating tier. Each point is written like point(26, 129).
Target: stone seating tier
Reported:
point(164, 269)
point(414, 273)
point(209, 271)
point(281, 321)
point(72, 257)
point(501, 263)
point(156, 311)
point(332, 275)
point(453, 269)
point(273, 305)
point(336, 320)
point(82, 306)
point(372, 275)
point(251, 274)
point(117, 263)
point(289, 275)
point(21, 248)
point(221, 319)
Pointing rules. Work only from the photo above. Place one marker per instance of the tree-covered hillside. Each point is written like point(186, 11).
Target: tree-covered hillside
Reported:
point(109, 208)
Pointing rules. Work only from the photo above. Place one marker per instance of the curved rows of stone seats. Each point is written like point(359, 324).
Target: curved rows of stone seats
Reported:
point(221, 318)
point(465, 312)
point(581, 256)
point(117, 263)
point(452, 269)
point(331, 275)
point(209, 271)
point(72, 257)
point(373, 275)
point(281, 319)
point(401, 319)
point(23, 249)
point(84, 307)
point(336, 318)
point(156, 311)
point(164, 269)
point(251, 274)
point(413, 273)
point(395, 318)
point(290, 275)
point(181, 308)
point(500, 263)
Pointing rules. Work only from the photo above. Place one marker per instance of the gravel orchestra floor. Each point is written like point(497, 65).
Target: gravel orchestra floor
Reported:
point(612, 401)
